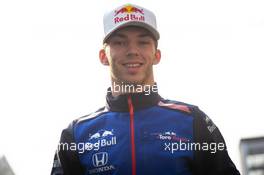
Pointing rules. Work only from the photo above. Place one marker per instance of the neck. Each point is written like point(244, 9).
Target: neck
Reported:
point(119, 88)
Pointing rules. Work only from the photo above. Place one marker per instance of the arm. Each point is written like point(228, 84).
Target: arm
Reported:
point(66, 161)
point(211, 162)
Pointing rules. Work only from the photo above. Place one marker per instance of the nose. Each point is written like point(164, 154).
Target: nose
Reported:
point(132, 50)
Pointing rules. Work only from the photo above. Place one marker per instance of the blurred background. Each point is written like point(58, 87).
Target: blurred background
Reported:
point(212, 56)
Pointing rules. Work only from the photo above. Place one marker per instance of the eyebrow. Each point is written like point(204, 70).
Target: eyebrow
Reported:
point(119, 35)
point(145, 35)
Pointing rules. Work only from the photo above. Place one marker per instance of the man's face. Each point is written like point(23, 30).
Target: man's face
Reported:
point(131, 52)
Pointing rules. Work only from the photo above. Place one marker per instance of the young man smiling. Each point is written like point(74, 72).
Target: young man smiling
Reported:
point(131, 53)
point(139, 133)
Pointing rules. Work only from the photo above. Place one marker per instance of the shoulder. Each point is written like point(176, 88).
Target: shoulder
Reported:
point(177, 105)
point(199, 116)
point(86, 118)
point(91, 116)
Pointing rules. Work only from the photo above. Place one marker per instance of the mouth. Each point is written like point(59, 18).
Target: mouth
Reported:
point(132, 65)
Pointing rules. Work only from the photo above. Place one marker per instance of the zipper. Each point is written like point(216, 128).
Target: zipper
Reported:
point(132, 134)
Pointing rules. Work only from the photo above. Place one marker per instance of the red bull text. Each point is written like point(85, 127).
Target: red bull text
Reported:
point(129, 17)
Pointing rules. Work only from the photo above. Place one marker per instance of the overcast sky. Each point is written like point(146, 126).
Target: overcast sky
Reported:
point(212, 56)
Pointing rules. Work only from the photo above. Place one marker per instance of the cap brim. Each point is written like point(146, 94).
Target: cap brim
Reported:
point(153, 31)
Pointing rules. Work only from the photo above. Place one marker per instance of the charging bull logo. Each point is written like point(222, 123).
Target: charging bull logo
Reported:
point(129, 9)
point(131, 13)
point(101, 134)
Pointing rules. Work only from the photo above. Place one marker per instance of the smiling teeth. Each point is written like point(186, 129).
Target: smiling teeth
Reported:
point(132, 65)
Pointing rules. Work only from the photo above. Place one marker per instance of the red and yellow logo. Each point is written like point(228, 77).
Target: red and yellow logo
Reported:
point(129, 9)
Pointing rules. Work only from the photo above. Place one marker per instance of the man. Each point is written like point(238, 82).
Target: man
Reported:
point(138, 132)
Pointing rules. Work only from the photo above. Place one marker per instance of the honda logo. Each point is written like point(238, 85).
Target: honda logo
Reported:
point(100, 159)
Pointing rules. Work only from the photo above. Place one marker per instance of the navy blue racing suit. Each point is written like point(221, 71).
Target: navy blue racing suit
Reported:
point(140, 134)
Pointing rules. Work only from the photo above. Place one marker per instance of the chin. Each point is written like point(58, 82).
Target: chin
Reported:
point(133, 81)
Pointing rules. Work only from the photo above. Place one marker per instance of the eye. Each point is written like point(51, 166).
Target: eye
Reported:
point(118, 42)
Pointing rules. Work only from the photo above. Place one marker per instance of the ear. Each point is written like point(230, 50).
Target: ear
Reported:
point(103, 57)
point(157, 57)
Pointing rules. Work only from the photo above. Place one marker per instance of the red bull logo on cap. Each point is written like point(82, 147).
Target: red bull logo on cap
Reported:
point(133, 14)
point(129, 9)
